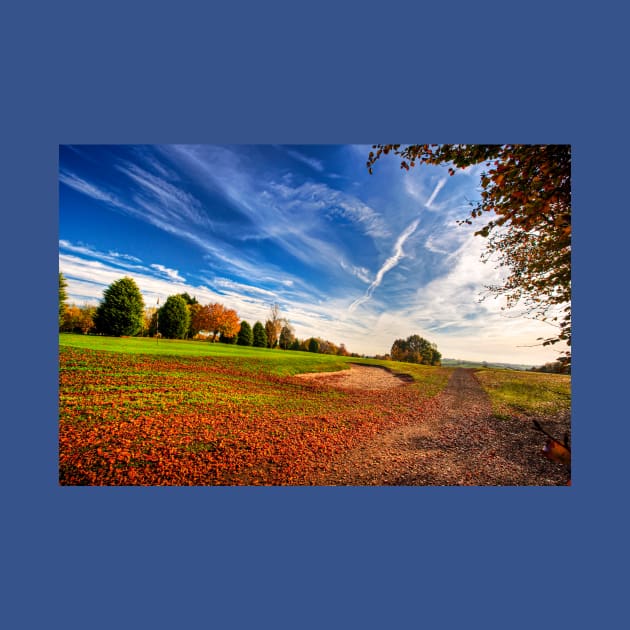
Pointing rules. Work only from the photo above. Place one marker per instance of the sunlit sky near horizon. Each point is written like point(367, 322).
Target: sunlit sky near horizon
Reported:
point(350, 257)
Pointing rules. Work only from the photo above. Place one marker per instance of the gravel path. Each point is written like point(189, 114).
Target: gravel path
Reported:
point(455, 440)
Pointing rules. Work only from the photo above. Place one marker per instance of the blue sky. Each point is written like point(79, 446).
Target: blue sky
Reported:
point(354, 258)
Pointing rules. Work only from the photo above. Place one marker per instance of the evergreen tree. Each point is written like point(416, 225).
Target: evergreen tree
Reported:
point(260, 336)
point(190, 302)
point(313, 345)
point(174, 318)
point(122, 310)
point(245, 335)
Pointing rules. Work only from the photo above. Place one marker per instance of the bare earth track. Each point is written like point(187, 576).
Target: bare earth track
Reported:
point(456, 440)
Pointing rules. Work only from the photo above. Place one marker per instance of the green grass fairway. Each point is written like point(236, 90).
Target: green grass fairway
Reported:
point(278, 362)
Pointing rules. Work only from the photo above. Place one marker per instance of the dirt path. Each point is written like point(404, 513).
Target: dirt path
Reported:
point(456, 440)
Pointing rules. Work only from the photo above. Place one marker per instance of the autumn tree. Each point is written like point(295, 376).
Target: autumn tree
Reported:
point(273, 325)
point(121, 310)
point(198, 319)
point(526, 201)
point(174, 318)
point(415, 349)
point(148, 321)
point(272, 340)
point(214, 318)
point(78, 319)
point(287, 337)
point(260, 336)
point(230, 325)
point(63, 296)
point(71, 319)
point(222, 321)
point(327, 347)
point(245, 335)
point(86, 319)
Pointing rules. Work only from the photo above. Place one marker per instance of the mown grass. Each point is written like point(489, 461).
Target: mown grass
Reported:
point(276, 362)
point(526, 393)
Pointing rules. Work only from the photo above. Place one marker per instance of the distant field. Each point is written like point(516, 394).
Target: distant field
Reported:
point(482, 364)
point(532, 394)
point(139, 412)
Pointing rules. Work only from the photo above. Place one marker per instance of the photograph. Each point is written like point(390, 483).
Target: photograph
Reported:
point(314, 315)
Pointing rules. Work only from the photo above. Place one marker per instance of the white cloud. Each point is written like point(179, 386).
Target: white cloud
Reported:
point(293, 217)
point(82, 186)
point(175, 205)
point(172, 274)
point(227, 284)
point(124, 261)
point(361, 273)
point(390, 263)
point(125, 257)
point(434, 194)
point(312, 162)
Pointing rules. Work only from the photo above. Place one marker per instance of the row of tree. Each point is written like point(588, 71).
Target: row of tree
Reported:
point(122, 313)
point(553, 367)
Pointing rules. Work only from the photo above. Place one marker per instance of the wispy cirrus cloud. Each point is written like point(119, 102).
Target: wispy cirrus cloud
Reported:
point(321, 205)
point(390, 263)
point(416, 187)
point(89, 189)
point(361, 273)
point(435, 192)
point(299, 218)
point(312, 162)
point(124, 261)
point(175, 205)
point(164, 207)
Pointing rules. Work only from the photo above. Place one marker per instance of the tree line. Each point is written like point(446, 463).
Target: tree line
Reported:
point(553, 367)
point(122, 312)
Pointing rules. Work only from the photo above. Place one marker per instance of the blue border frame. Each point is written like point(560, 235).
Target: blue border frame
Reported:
point(318, 557)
